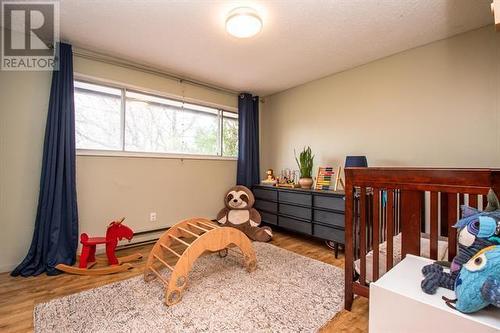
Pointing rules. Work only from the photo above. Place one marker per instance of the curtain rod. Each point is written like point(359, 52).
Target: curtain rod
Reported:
point(91, 55)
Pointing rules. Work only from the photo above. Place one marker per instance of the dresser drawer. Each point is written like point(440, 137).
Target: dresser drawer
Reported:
point(292, 224)
point(328, 233)
point(330, 218)
point(300, 212)
point(261, 193)
point(269, 218)
point(336, 203)
point(296, 198)
point(266, 205)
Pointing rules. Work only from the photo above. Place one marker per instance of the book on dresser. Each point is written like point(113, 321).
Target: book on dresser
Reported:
point(317, 213)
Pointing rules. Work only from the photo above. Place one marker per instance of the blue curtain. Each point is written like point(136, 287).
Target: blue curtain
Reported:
point(248, 140)
point(55, 238)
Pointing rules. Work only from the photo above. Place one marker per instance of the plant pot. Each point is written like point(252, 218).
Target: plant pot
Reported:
point(306, 182)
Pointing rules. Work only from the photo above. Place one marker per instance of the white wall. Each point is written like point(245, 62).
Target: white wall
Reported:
point(436, 105)
point(23, 112)
point(107, 187)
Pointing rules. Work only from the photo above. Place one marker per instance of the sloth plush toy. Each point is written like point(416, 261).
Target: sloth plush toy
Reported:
point(240, 214)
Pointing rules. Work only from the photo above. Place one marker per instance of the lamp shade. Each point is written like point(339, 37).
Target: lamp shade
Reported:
point(356, 161)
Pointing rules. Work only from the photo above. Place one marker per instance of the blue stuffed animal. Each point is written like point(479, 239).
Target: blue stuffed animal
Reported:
point(477, 230)
point(478, 284)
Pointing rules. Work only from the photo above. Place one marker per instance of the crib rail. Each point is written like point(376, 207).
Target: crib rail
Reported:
point(381, 202)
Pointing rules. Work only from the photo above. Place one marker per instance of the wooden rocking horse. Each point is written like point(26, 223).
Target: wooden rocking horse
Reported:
point(116, 231)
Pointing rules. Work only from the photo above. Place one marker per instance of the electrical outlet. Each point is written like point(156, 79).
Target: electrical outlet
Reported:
point(152, 217)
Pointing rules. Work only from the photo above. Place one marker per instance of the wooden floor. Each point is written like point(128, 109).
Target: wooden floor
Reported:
point(19, 295)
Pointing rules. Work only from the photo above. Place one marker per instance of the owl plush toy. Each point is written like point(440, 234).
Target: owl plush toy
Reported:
point(239, 213)
point(477, 230)
point(478, 284)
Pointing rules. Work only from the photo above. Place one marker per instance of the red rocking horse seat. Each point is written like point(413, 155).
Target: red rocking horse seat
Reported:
point(86, 240)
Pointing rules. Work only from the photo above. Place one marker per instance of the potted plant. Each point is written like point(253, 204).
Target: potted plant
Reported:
point(305, 163)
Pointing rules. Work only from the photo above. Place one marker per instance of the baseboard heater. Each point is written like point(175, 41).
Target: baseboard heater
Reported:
point(145, 237)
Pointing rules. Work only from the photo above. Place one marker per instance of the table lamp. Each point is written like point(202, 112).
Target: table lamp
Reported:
point(356, 161)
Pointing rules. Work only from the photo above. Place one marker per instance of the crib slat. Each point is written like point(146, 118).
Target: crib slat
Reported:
point(461, 199)
point(444, 214)
point(411, 217)
point(390, 229)
point(375, 231)
point(434, 226)
point(397, 201)
point(369, 216)
point(452, 219)
point(362, 235)
point(355, 226)
point(383, 217)
point(473, 200)
point(485, 201)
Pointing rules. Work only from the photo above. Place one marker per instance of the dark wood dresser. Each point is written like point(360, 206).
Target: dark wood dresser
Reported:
point(311, 212)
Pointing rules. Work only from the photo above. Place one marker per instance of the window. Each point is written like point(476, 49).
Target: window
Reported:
point(109, 118)
point(230, 134)
point(98, 117)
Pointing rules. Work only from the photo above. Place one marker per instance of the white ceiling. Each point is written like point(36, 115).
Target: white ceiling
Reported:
point(301, 40)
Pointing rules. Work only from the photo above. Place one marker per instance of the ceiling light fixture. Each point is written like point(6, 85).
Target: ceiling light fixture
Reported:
point(243, 22)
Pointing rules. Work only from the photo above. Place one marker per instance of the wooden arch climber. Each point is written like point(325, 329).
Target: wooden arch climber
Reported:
point(196, 235)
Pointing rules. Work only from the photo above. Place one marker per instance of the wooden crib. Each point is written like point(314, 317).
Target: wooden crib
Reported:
point(381, 202)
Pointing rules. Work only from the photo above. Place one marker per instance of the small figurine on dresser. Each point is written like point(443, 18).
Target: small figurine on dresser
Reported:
point(270, 179)
point(287, 179)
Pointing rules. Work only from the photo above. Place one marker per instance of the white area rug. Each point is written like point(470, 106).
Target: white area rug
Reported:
point(287, 293)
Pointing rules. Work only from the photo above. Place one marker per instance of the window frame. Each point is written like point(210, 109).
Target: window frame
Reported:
point(138, 154)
